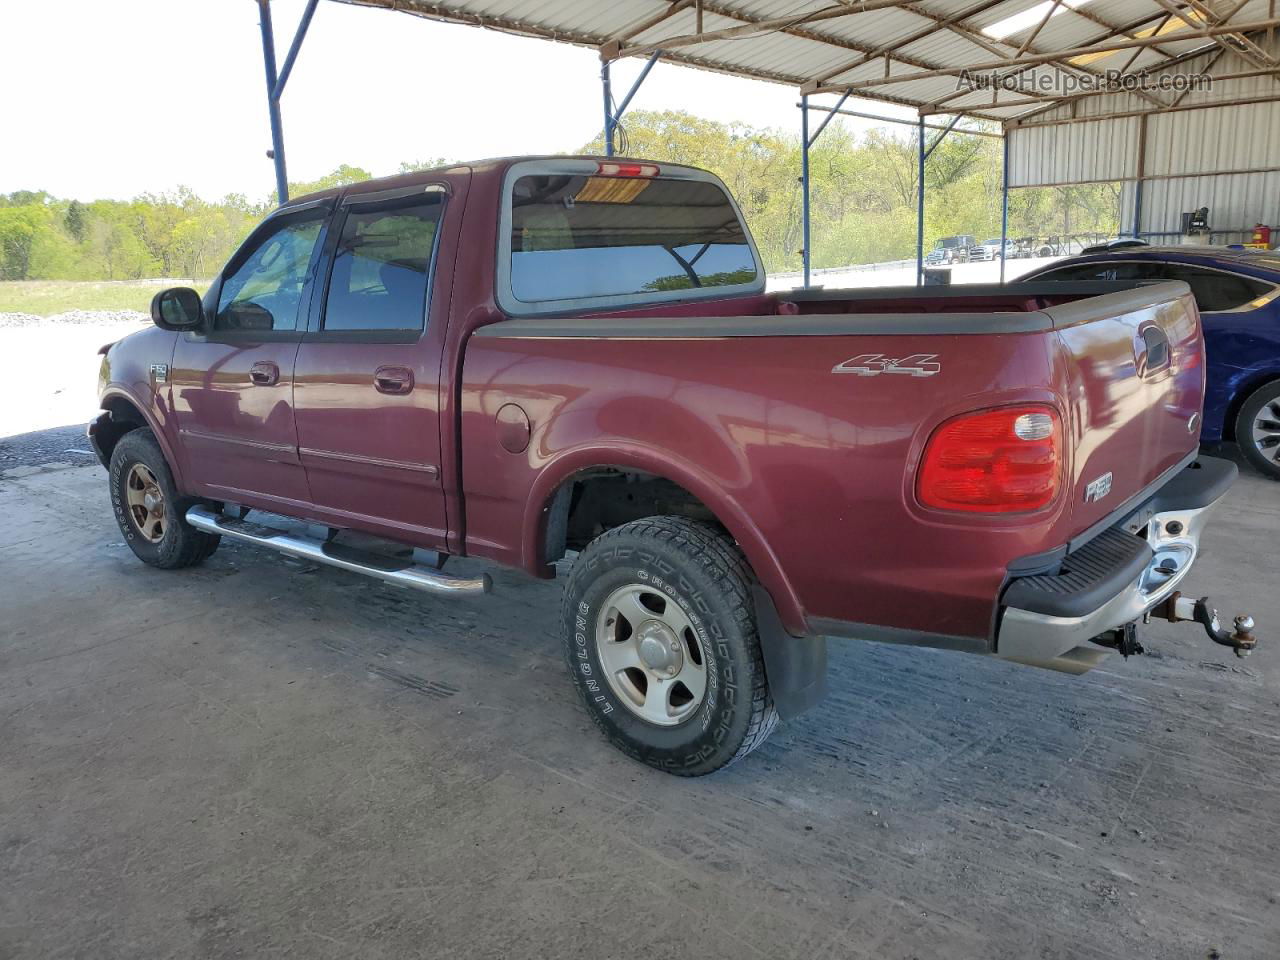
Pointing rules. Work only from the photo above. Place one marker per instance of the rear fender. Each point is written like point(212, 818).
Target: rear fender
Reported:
point(571, 463)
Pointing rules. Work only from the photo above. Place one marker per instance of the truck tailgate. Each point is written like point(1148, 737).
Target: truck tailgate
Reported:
point(1134, 362)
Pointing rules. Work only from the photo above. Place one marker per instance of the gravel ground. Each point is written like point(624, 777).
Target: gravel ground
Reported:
point(79, 317)
point(264, 758)
point(49, 382)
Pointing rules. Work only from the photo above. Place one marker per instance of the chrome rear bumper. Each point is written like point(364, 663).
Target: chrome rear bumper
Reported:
point(1052, 621)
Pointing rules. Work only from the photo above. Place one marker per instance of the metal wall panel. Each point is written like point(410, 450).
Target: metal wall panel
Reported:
point(1208, 141)
point(1235, 202)
point(1073, 153)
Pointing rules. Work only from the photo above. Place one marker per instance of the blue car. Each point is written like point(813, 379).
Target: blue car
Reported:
point(1237, 292)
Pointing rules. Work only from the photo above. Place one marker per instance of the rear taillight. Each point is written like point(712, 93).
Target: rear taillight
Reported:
point(1003, 460)
point(608, 168)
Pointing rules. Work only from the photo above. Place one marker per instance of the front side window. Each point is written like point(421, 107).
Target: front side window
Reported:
point(381, 267)
point(583, 236)
point(265, 290)
point(1215, 290)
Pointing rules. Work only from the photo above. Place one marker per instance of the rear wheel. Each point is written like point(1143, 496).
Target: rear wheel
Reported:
point(149, 509)
point(661, 640)
point(1258, 429)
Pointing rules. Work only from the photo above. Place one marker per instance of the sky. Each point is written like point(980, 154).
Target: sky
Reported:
point(113, 99)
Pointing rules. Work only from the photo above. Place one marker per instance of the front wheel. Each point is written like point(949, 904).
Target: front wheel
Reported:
point(660, 635)
point(1258, 429)
point(149, 509)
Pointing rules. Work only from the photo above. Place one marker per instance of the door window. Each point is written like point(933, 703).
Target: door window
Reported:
point(381, 268)
point(264, 291)
point(1215, 290)
point(1106, 270)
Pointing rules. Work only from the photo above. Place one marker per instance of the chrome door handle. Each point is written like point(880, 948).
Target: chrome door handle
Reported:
point(264, 373)
point(393, 380)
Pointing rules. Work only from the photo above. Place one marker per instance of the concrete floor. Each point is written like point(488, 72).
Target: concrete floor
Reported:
point(261, 758)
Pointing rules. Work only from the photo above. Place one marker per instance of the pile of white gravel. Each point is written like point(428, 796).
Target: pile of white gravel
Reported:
point(77, 317)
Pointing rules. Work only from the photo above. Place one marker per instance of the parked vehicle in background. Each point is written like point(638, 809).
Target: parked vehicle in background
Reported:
point(573, 361)
point(1236, 291)
point(951, 250)
point(990, 250)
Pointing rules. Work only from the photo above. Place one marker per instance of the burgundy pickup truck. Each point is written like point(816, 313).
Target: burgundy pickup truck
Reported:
point(572, 363)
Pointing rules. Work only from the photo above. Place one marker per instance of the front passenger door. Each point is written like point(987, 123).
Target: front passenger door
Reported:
point(232, 385)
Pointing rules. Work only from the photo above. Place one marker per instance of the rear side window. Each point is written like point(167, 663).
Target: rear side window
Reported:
point(381, 267)
point(1215, 290)
point(575, 237)
point(1102, 270)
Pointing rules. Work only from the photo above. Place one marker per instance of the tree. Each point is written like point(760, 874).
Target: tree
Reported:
point(75, 220)
point(19, 226)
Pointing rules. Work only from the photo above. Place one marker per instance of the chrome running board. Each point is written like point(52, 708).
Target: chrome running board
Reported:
point(404, 572)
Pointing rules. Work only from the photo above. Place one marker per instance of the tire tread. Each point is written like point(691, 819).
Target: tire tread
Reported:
point(721, 558)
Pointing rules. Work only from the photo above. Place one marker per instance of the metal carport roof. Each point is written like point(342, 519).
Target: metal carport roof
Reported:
point(908, 52)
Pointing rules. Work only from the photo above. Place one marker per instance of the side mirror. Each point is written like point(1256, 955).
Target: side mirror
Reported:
point(177, 308)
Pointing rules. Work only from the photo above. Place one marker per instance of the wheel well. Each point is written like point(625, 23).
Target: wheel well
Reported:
point(1242, 396)
point(124, 417)
point(597, 500)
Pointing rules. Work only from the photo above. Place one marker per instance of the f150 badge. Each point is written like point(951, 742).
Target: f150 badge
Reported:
point(160, 372)
point(1097, 489)
point(874, 364)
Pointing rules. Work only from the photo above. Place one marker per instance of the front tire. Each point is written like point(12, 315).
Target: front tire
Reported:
point(1258, 429)
point(661, 640)
point(149, 509)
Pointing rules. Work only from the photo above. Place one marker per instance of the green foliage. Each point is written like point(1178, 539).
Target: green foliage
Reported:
point(863, 189)
point(344, 175)
point(863, 201)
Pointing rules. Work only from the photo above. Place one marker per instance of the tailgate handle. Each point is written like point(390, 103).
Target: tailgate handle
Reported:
point(1155, 350)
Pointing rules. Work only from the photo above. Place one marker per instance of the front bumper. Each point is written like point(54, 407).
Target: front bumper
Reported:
point(1057, 620)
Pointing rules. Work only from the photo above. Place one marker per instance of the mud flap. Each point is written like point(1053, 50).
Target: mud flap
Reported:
point(796, 667)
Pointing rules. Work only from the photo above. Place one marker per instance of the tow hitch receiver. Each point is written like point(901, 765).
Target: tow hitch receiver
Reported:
point(1177, 609)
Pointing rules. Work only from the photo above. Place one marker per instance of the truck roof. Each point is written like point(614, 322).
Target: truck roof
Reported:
point(490, 166)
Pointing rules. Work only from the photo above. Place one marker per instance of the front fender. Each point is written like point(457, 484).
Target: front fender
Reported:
point(568, 464)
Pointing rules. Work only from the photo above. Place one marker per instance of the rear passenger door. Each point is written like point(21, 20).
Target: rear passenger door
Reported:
point(367, 375)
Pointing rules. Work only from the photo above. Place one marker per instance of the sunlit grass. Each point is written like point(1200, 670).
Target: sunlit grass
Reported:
point(44, 298)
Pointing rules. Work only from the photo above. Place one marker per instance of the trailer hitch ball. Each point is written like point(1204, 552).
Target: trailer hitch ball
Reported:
point(1178, 608)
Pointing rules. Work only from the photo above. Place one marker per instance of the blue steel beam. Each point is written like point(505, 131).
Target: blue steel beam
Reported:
point(298, 36)
point(828, 118)
point(933, 146)
point(626, 101)
point(613, 115)
point(273, 104)
point(1004, 207)
point(804, 185)
point(608, 109)
point(920, 205)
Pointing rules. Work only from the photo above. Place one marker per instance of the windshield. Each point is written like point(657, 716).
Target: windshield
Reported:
point(575, 237)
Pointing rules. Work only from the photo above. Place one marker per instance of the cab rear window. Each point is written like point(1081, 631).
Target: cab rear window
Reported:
point(584, 236)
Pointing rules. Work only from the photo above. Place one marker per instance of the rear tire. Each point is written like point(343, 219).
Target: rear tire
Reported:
point(1258, 429)
point(661, 640)
point(149, 509)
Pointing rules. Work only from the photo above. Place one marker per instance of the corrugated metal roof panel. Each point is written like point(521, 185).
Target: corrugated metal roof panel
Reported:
point(794, 48)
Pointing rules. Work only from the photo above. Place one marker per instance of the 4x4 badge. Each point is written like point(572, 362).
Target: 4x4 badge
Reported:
point(874, 364)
